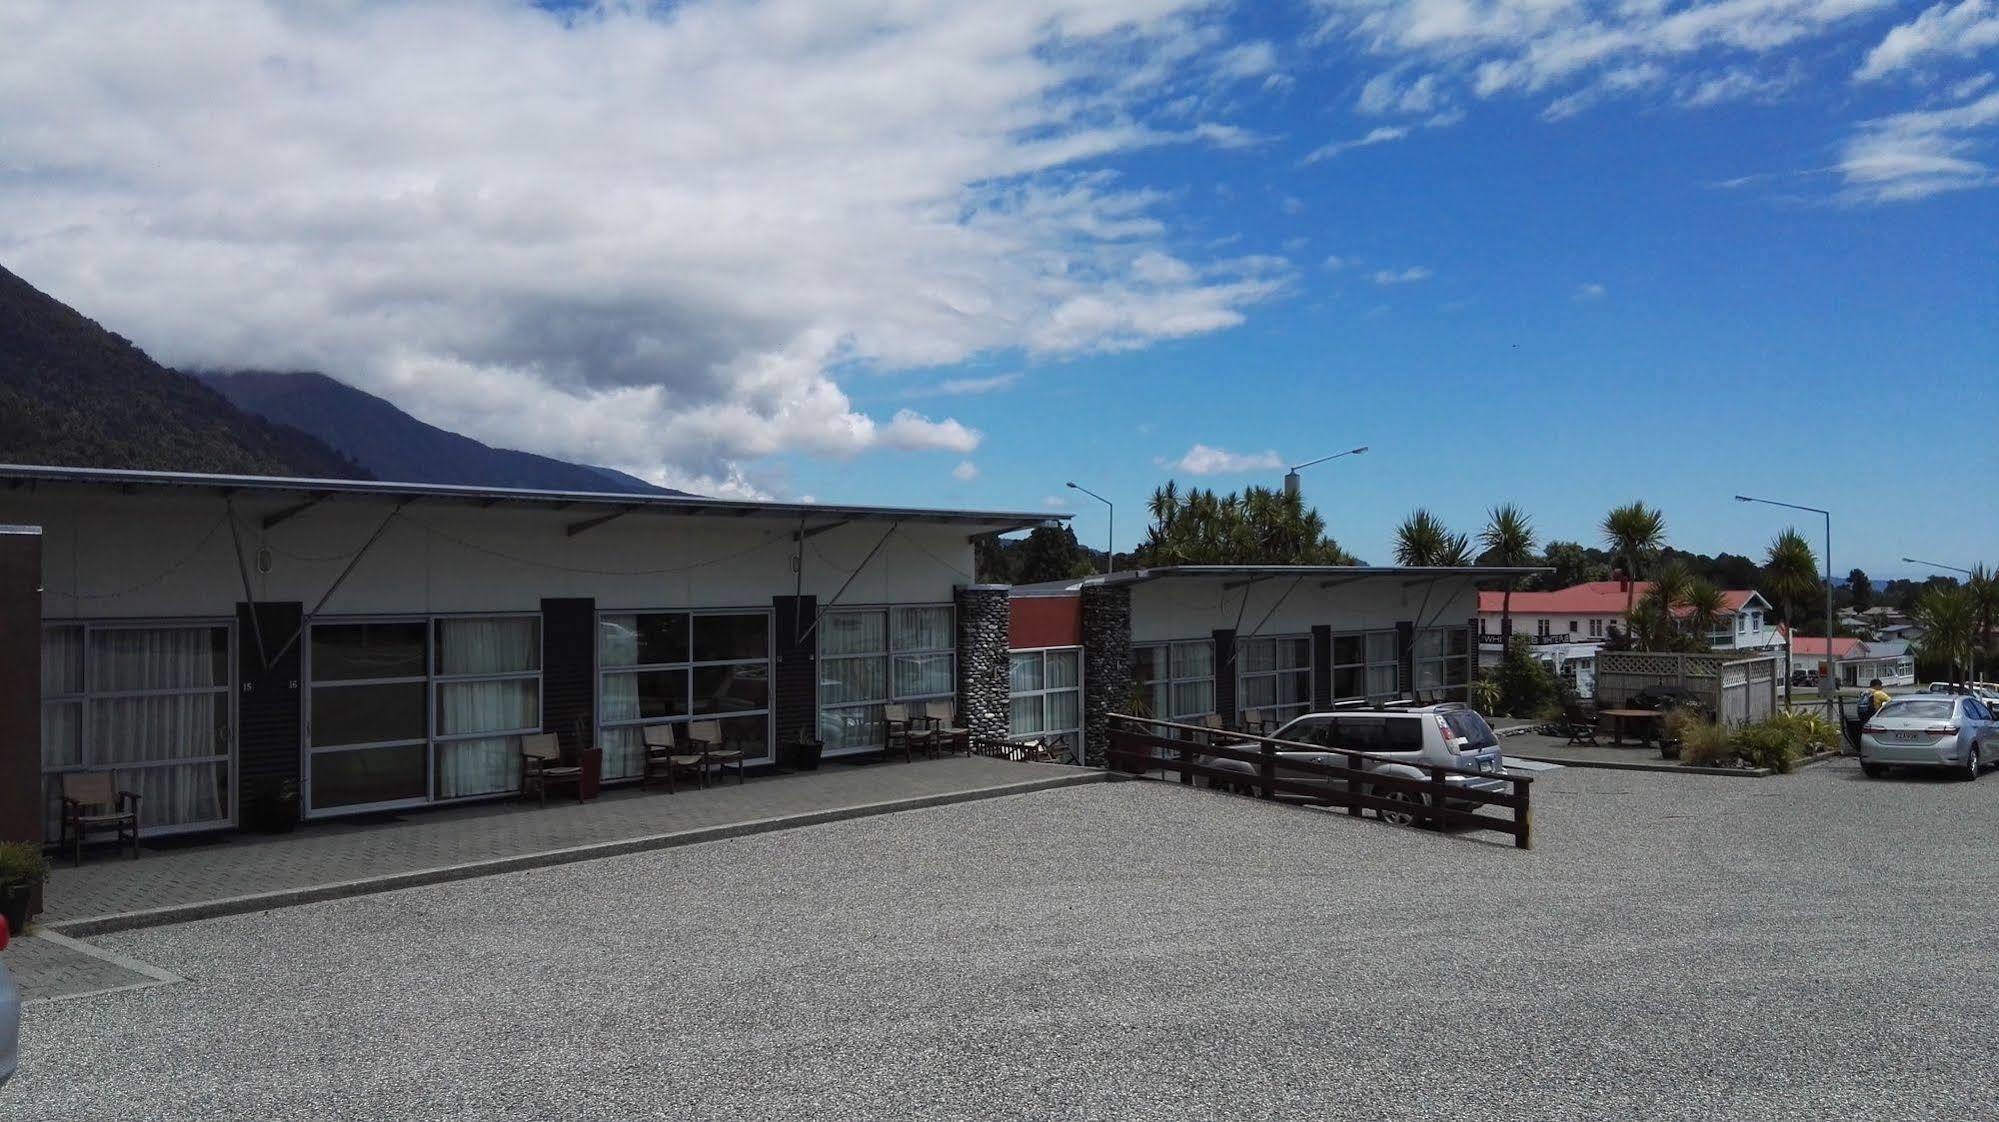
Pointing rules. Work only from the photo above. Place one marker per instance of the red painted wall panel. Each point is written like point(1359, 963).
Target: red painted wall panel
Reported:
point(1046, 621)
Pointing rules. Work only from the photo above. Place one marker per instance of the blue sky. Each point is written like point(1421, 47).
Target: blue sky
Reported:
point(1564, 253)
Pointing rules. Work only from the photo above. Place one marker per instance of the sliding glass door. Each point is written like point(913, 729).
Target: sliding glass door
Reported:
point(150, 703)
point(669, 668)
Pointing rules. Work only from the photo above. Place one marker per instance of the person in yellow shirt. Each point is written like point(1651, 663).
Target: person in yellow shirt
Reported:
point(1877, 695)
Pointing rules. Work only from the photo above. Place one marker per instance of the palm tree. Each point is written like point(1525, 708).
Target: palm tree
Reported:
point(1791, 573)
point(1983, 589)
point(1633, 533)
point(1423, 541)
point(1508, 539)
point(1705, 605)
point(1947, 617)
point(1654, 620)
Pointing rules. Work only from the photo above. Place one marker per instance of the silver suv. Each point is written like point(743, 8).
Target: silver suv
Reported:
point(1400, 741)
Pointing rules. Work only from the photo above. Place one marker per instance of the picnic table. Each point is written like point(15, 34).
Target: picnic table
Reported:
point(1647, 720)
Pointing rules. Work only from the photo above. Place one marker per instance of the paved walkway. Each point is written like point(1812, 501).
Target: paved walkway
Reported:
point(230, 872)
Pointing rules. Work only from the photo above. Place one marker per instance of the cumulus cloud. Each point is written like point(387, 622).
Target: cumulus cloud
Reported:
point(1204, 460)
point(1410, 275)
point(1961, 30)
point(965, 472)
point(658, 238)
point(1918, 154)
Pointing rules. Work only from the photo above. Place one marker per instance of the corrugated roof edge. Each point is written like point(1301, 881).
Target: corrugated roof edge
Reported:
point(1141, 576)
point(129, 478)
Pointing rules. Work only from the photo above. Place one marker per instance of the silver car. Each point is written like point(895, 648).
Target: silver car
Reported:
point(1955, 731)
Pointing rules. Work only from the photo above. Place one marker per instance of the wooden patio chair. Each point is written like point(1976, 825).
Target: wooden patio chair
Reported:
point(1254, 722)
point(943, 730)
point(1048, 750)
point(90, 801)
point(542, 767)
point(665, 759)
point(895, 732)
point(716, 755)
point(1579, 724)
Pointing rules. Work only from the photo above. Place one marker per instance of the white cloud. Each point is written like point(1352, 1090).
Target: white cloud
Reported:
point(656, 238)
point(962, 387)
point(1381, 135)
point(1410, 275)
point(1961, 30)
point(1203, 460)
point(965, 472)
point(1253, 59)
point(1572, 51)
point(1054, 502)
point(1590, 291)
point(1334, 262)
point(1918, 154)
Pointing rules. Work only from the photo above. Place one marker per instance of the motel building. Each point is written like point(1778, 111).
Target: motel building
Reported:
point(212, 640)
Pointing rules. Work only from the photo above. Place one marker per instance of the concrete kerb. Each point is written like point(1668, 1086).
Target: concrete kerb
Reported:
point(390, 882)
point(1676, 769)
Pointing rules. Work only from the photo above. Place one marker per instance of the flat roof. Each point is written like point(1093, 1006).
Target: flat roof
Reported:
point(1332, 573)
point(131, 481)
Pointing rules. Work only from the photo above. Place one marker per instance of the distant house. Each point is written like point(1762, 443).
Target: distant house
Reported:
point(1585, 613)
point(1855, 661)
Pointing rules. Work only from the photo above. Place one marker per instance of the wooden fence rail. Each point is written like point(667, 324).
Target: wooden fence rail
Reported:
point(1140, 745)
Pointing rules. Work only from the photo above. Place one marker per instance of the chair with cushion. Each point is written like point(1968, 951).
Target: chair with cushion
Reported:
point(665, 759)
point(895, 731)
point(90, 801)
point(705, 737)
point(946, 734)
point(542, 767)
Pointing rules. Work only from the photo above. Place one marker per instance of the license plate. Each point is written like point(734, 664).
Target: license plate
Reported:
point(1912, 736)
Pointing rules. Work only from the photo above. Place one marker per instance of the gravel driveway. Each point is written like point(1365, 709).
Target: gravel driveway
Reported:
point(1815, 946)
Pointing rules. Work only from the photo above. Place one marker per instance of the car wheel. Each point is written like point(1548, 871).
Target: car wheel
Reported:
point(1970, 771)
point(1874, 771)
point(1409, 813)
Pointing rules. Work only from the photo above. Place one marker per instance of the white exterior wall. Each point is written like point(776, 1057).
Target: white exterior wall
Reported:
point(162, 554)
point(1194, 607)
point(1527, 623)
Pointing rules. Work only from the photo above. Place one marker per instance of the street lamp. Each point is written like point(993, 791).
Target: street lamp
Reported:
point(1968, 573)
point(1826, 685)
point(1291, 477)
point(1110, 535)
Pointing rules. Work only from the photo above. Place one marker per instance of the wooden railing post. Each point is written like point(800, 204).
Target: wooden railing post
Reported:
point(1523, 817)
point(1268, 769)
point(1186, 763)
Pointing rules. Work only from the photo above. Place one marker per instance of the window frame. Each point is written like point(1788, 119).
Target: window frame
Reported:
point(887, 656)
point(1279, 711)
point(1047, 691)
point(1165, 647)
point(432, 679)
point(688, 666)
point(1418, 660)
point(228, 758)
point(1367, 666)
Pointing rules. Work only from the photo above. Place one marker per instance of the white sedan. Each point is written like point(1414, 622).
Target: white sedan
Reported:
point(1955, 731)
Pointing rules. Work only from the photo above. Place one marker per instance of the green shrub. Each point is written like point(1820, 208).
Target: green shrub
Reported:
point(1766, 744)
point(22, 863)
point(1702, 742)
point(1526, 687)
point(1808, 729)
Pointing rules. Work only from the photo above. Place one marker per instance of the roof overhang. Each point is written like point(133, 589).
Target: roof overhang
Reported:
point(300, 494)
point(1327, 575)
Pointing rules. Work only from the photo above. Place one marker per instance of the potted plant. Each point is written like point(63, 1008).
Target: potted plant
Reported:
point(22, 871)
point(273, 807)
point(803, 753)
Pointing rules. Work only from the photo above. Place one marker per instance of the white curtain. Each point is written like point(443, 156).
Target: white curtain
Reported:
point(488, 646)
point(488, 706)
point(175, 795)
point(923, 629)
point(1025, 716)
point(1194, 699)
point(618, 640)
point(62, 661)
point(620, 700)
point(848, 633)
point(161, 727)
point(478, 767)
point(124, 659)
point(846, 680)
point(62, 733)
point(1256, 655)
point(856, 726)
point(624, 751)
point(917, 675)
point(1026, 673)
point(1064, 668)
point(1259, 692)
point(1065, 710)
point(1194, 660)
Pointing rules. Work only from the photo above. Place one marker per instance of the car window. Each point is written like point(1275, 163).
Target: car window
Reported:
point(1976, 710)
point(1306, 730)
point(1371, 733)
point(1478, 735)
point(1918, 710)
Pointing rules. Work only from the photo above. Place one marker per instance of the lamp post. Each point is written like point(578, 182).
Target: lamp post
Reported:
point(1291, 477)
point(1967, 572)
point(1827, 688)
point(1110, 535)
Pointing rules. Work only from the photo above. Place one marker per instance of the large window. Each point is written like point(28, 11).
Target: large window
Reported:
point(1178, 679)
point(870, 657)
point(1274, 676)
point(1047, 694)
point(149, 704)
point(668, 668)
point(405, 711)
point(1443, 662)
point(1364, 666)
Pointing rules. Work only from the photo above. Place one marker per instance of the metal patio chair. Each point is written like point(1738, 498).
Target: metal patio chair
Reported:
point(90, 801)
point(542, 767)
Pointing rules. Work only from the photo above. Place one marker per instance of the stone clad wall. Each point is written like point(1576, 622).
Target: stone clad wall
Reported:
point(984, 681)
point(1106, 665)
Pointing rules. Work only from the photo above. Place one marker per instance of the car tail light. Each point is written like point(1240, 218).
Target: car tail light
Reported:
point(1872, 730)
point(1942, 730)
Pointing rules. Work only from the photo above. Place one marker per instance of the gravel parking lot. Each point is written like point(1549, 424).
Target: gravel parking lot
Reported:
point(1815, 946)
